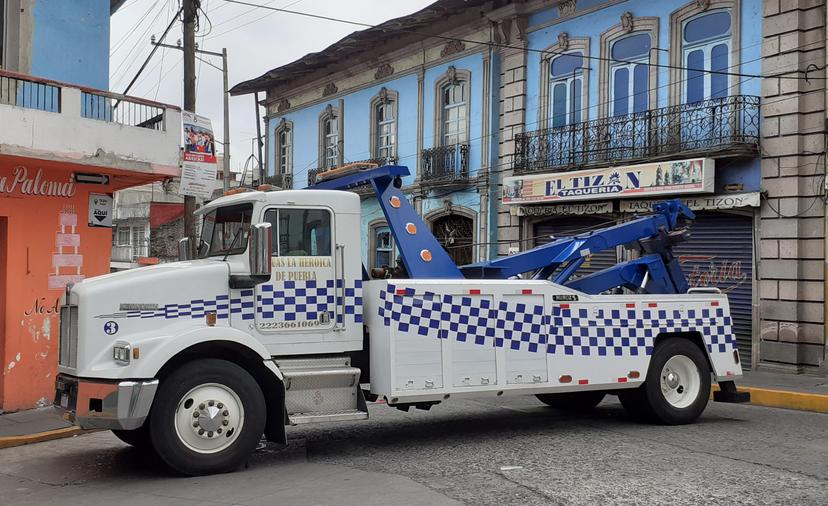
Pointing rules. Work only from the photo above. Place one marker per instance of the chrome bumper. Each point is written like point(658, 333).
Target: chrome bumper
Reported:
point(101, 404)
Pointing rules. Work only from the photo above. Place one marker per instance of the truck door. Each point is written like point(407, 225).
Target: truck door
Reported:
point(299, 302)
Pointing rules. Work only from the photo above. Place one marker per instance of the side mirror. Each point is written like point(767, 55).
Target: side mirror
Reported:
point(261, 246)
point(185, 249)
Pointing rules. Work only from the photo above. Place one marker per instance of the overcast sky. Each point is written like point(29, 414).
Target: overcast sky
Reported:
point(256, 39)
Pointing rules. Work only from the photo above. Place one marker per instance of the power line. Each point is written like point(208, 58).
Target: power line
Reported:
point(129, 58)
point(120, 42)
point(253, 20)
point(154, 49)
point(522, 48)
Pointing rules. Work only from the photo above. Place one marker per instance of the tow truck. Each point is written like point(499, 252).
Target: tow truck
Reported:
point(276, 322)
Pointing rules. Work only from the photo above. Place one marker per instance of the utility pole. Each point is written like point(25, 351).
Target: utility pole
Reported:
point(190, 12)
point(226, 143)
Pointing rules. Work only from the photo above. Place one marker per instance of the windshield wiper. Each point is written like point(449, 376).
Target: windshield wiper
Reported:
point(233, 244)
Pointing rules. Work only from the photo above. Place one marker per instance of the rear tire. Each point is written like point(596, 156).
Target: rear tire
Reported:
point(207, 418)
point(578, 402)
point(677, 387)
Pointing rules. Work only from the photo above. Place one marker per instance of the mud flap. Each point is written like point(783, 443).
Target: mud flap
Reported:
point(727, 393)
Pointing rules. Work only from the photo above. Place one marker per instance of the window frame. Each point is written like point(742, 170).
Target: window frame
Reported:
point(630, 65)
point(571, 81)
point(606, 90)
point(373, 246)
point(276, 228)
point(450, 77)
point(677, 20)
point(285, 128)
point(330, 114)
point(565, 45)
point(384, 97)
point(706, 47)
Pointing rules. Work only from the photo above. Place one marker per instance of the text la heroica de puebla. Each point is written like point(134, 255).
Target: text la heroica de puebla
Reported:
point(298, 262)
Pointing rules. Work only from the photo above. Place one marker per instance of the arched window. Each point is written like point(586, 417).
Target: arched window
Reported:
point(706, 43)
point(384, 126)
point(284, 148)
point(330, 154)
point(453, 113)
point(630, 74)
point(565, 88)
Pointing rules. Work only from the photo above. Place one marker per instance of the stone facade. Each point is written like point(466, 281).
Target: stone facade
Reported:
point(790, 263)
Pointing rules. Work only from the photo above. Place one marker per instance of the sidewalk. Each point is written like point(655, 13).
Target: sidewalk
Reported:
point(779, 390)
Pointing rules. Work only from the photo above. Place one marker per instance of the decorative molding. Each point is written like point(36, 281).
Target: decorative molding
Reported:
point(522, 23)
point(452, 47)
point(383, 96)
point(330, 111)
point(703, 4)
point(563, 41)
point(329, 90)
point(451, 74)
point(627, 22)
point(567, 7)
point(505, 30)
point(497, 36)
point(283, 125)
point(283, 105)
point(383, 71)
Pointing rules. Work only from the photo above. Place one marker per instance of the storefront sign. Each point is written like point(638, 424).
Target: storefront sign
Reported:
point(662, 178)
point(198, 168)
point(566, 209)
point(100, 210)
point(22, 181)
point(698, 203)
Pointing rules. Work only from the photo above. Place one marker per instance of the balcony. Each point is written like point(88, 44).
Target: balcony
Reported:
point(445, 166)
point(725, 127)
point(105, 129)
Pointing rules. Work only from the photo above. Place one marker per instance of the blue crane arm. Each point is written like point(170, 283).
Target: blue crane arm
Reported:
point(421, 253)
point(424, 257)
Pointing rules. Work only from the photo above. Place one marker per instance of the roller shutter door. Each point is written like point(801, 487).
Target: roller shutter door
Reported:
point(577, 225)
point(720, 253)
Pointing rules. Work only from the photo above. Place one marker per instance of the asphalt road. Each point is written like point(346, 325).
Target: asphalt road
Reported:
point(499, 451)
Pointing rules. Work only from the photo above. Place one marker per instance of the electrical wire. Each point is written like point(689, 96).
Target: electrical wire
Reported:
point(521, 48)
point(129, 59)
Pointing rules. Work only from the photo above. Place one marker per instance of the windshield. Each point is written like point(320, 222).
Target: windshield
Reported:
point(224, 231)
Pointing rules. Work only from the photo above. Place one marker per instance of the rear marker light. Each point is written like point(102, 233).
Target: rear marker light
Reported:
point(526, 292)
point(395, 202)
point(634, 375)
point(425, 255)
point(565, 379)
point(474, 291)
point(564, 306)
point(631, 306)
point(583, 382)
point(652, 304)
point(411, 228)
point(401, 291)
point(714, 303)
point(622, 380)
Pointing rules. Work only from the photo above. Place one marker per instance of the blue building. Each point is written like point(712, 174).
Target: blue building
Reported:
point(526, 120)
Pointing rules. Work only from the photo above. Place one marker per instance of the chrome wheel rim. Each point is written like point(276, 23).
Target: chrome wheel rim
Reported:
point(680, 381)
point(209, 418)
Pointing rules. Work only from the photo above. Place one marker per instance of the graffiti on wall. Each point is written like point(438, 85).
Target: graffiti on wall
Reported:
point(708, 270)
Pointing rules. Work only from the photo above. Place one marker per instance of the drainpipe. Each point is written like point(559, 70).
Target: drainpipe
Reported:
point(824, 189)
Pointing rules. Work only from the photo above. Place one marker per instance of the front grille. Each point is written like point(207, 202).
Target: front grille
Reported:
point(68, 336)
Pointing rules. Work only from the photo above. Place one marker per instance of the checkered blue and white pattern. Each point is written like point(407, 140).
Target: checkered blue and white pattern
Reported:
point(571, 330)
point(291, 300)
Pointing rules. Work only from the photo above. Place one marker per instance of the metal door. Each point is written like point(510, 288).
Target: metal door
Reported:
point(720, 254)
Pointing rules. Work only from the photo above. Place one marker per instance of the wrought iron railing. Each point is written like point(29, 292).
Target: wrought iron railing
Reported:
point(29, 92)
point(445, 165)
point(313, 174)
point(123, 110)
point(728, 125)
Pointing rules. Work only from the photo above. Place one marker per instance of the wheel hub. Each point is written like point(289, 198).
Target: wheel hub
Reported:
point(672, 380)
point(210, 419)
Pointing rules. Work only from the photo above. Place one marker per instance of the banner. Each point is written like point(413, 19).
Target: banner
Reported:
point(710, 202)
point(649, 179)
point(198, 167)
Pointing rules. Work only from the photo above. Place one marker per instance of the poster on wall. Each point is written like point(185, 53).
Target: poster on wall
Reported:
point(100, 210)
point(198, 166)
point(643, 180)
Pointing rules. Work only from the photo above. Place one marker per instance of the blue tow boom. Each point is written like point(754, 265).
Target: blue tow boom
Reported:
point(655, 271)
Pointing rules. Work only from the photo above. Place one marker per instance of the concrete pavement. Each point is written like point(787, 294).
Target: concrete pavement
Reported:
point(497, 451)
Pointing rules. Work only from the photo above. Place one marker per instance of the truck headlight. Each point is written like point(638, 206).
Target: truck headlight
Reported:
point(122, 353)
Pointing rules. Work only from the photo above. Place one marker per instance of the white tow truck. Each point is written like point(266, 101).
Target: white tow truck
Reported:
point(276, 322)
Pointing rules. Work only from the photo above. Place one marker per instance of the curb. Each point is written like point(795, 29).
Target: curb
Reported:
point(10, 441)
point(785, 399)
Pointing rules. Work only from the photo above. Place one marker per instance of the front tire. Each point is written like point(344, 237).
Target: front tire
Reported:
point(578, 402)
point(677, 387)
point(207, 418)
point(139, 438)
